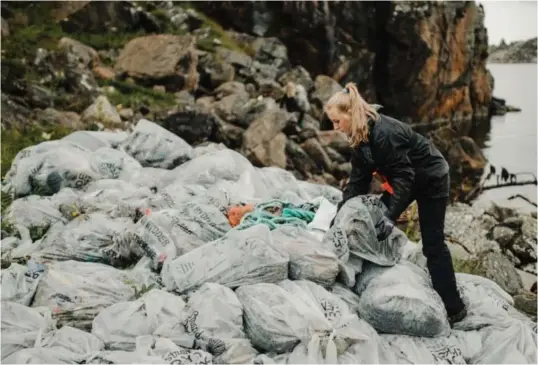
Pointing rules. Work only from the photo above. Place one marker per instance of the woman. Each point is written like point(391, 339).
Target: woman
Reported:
point(415, 170)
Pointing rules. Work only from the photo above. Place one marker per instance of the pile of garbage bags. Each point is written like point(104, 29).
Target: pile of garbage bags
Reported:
point(122, 248)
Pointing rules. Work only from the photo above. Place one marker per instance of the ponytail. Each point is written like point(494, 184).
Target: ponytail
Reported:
point(350, 101)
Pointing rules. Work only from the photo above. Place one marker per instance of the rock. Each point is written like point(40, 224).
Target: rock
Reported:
point(193, 125)
point(307, 133)
point(513, 259)
point(104, 73)
point(205, 102)
point(5, 27)
point(529, 229)
point(185, 98)
point(310, 122)
point(15, 112)
point(231, 97)
point(229, 88)
point(465, 225)
point(301, 161)
point(252, 109)
point(325, 87)
point(317, 153)
point(271, 51)
point(526, 302)
point(40, 97)
point(101, 111)
point(515, 52)
point(465, 155)
point(336, 140)
point(53, 117)
point(513, 222)
point(159, 89)
point(495, 266)
point(530, 268)
point(126, 114)
point(500, 213)
point(214, 73)
point(158, 59)
point(84, 54)
point(298, 75)
point(269, 88)
point(235, 58)
point(524, 250)
point(329, 179)
point(228, 134)
point(122, 16)
point(272, 152)
point(534, 287)
point(263, 130)
point(80, 82)
point(334, 155)
point(528, 279)
point(341, 170)
point(503, 235)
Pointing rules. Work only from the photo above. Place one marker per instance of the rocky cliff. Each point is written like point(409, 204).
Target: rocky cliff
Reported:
point(177, 64)
point(515, 52)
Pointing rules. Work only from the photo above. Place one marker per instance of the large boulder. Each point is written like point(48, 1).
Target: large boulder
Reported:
point(162, 59)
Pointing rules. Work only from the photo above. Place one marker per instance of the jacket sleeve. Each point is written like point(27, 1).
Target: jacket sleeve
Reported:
point(359, 180)
point(395, 147)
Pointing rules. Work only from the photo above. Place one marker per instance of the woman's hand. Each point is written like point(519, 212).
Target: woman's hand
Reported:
point(384, 228)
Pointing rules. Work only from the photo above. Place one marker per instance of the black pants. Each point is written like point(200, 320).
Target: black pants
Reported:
point(432, 224)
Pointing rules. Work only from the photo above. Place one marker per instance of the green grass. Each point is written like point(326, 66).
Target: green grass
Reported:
point(132, 96)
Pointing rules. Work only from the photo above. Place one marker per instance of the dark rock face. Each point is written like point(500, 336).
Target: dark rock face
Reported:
point(194, 126)
point(424, 61)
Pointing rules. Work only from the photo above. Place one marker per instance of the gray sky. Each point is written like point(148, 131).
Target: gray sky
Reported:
point(511, 20)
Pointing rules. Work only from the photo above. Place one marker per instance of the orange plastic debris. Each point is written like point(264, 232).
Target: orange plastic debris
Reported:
point(236, 212)
point(384, 183)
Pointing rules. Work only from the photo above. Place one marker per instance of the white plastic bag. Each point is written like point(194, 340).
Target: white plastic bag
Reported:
point(154, 146)
point(239, 258)
point(401, 300)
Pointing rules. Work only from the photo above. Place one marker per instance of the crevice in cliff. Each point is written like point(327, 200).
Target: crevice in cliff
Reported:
point(381, 43)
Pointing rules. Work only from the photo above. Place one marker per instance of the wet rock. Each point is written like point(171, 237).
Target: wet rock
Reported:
point(101, 111)
point(524, 250)
point(193, 125)
point(513, 223)
point(503, 235)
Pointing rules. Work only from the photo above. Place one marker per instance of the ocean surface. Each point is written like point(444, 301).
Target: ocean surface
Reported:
point(511, 140)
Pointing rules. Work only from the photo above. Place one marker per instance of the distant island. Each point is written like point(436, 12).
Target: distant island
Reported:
point(514, 52)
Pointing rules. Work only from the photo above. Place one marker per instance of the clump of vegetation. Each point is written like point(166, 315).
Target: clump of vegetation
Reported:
point(471, 266)
point(131, 95)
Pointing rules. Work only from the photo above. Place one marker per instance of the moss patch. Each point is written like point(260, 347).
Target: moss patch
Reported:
point(471, 266)
point(131, 95)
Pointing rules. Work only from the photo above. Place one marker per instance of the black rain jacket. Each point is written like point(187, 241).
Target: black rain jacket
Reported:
point(413, 166)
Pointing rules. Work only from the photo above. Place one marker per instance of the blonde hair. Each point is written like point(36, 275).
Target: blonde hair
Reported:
point(351, 102)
